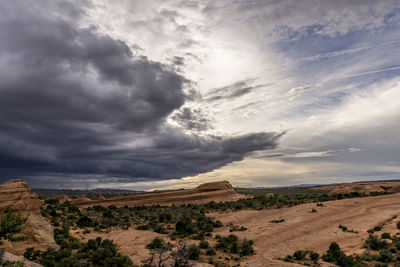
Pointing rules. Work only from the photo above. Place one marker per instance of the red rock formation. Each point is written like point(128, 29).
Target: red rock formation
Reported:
point(215, 191)
point(63, 198)
point(99, 196)
point(17, 193)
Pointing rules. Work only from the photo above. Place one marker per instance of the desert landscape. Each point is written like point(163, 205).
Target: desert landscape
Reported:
point(199, 133)
point(211, 225)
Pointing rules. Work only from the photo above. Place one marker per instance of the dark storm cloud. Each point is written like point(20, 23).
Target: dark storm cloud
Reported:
point(192, 119)
point(74, 102)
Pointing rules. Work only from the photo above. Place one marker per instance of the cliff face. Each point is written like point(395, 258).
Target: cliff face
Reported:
point(17, 193)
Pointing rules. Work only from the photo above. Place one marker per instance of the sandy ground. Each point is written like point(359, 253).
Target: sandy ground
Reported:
point(303, 229)
point(131, 242)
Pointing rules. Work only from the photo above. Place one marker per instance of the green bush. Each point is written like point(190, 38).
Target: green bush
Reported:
point(385, 236)
point(156, 243)
point(194, 252)
point(143, 227)
point(31, 254)
point(375, 243)
point(210, 252)
point(314, 256)
point(385, 256)
point(96, 252)
point(203, 244)
point(13, 223)
point(337, 256)
point(299, 255)
point(247, 248)
point(231, 244)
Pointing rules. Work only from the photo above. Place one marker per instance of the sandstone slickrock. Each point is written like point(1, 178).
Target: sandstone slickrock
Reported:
point(11, 257)
point(99, 196)
point(63, 198)
point(215, 191)
point(363, 187)
point(16, 193)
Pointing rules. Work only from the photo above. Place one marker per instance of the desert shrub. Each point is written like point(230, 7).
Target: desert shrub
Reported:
point(31, 254)
point(346, 229)
point(385, 236)
point(398, 225)
point(210, 252)
point(231, 244)
point(337, 256)
point(314, 256)
point(370, 257)
point(184, 226)
point(13, 223)
point(84, 221)
point(143, 227)
point(159, 229)
point(247, 248)
point(217, 224)
point(313, 210)
point(96, 252)
point(385, 256)
point(156, 243)
point(278, 221)
point(299, 255)
point(52, 201)
point(235, 228)
point(375, 243)
point(193, 252)
point(203, 244)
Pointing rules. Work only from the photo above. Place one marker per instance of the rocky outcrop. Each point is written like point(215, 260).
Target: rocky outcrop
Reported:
point(63, 198)
point(362, 187)
point(17, 193)
point(215, 186)
point(11, 257)
point(215, 191)
point(99, 196)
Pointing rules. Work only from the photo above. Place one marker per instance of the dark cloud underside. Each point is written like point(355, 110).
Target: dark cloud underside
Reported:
point(74, 101)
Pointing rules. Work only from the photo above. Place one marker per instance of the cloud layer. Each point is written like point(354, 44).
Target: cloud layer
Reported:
point(76, 102)
point(128, 92)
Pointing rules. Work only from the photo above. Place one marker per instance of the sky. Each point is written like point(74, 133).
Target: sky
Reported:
point(174, 93)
